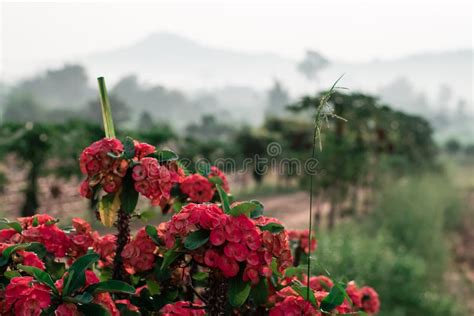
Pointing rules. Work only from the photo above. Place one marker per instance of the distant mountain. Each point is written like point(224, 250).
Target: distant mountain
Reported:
point(182, 63)
point(170, 59)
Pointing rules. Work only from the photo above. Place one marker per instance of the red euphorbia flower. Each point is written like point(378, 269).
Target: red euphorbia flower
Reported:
point(198, 188)
point(25, 296)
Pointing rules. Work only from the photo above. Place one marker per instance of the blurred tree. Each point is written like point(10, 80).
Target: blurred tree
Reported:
point(22, 108)
point(31, 144)
point(145, 122)
point(312, 64)
point(453, 146)
point(65, 88)
point(121, 111)
point(277, 100)
point(209, 128)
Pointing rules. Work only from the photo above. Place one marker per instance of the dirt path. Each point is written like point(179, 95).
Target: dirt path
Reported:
point(292, 208)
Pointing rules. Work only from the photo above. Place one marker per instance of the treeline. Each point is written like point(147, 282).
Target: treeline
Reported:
point(63, 94)
point(369, 140)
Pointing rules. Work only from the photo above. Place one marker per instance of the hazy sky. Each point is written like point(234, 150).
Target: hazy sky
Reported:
point(341, 29)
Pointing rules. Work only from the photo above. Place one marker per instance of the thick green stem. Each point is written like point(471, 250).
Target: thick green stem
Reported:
point(106, 110)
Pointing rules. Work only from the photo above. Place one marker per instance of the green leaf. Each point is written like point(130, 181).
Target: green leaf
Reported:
point(274, 266)
point(334, 298)
point(152, 233)
point(112, 286)
point(169, 257)
point(238, 291)
point(167, 155)
point(128, 148)
point(76, 278)
point(153, 287)
point(224, 199)
point(129, 196)
point(35, 221)
point(260, 292)
point(11, 274)
point(147, 215)
point(6, 224)
point(200, 276)
point(204, 169)
point(274, 228)
point(303, 292)
point(177, 205)
point(40, 275)
point(258, 211)
point(216, 180)
point(37, 248)
point(244, 208)
point(55, 269)
point(93, 309)
point(9, 250)
point(83, 298)
point(196, 239)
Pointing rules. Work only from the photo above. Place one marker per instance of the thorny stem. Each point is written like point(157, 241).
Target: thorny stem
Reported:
point(123, 237)
point(216, 295)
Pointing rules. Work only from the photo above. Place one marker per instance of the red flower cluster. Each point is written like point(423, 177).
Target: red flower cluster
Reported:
point(138, 254)
point(198, 188)
point(232, 240)
point(143, 149)
point(105, 246)
point(25, 296)
point(51, 236)
point(301, 238)
point(100, 168)
point(31, 259)
point(216, 172)
point(153, 180)
point(370, 300)
point(320, 283)
point(288, 302)
point(182, 308)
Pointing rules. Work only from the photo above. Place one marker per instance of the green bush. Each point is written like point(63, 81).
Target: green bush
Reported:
point(401, 279)
point(401, 249)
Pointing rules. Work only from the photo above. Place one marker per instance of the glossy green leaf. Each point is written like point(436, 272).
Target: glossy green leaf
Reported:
point(224, 199)
point(244, 208)
point(93, 309)
point(40, 275)
point(111, 286)
point(169, 257)
point(272, 227)
point(196, 239)
point(83, 298)
point(167, 155)
point(129, 196)
point(260, 292)
point(128, 148)
point(334, 298)
point(153, 287)
point(258, 211)
point(216, 180)
point(6, 224)
point(9, 250)
point(238, 291)
point(152, 233)
point(303, 292)
point(11, 274)
point(200, 276)
point(75, 278)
